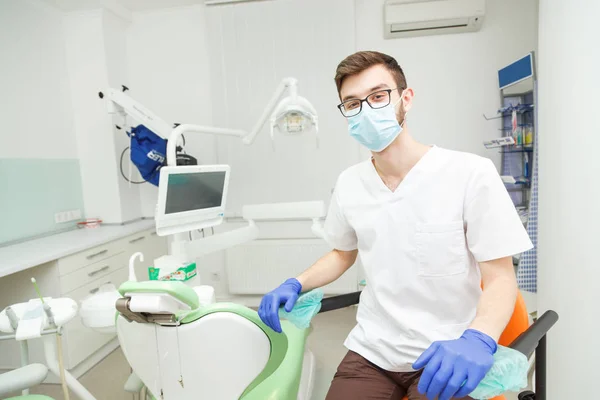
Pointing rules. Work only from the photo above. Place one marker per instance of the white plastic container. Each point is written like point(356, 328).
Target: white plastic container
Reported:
point(98, 311)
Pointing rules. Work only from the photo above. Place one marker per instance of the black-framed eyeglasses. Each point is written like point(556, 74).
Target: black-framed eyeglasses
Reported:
point(378, 99)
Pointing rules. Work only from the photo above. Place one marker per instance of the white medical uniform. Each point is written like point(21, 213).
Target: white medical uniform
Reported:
point(420, 246)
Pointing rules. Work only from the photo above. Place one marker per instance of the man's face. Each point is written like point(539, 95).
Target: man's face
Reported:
point(371, 80)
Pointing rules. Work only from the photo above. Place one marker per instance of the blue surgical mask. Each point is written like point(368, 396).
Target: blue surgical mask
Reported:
point(375, 129)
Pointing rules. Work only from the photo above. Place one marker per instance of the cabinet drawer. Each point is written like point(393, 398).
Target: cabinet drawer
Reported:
point(76, 261)
point(82, 342)
point(85, 275)
point(137, 240)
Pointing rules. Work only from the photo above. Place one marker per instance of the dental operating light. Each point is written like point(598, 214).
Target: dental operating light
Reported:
point(294, 114)
point(290, 115)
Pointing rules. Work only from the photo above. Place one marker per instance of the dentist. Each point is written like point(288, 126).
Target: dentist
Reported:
point(430, 226)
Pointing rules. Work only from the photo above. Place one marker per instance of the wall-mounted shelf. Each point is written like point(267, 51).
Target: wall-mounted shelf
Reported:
point(508, 110)
point(517, 124)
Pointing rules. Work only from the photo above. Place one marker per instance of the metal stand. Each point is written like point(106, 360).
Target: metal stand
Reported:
point(540, 370)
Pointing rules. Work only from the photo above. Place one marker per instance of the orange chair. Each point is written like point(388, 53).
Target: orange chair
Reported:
point(519, 322)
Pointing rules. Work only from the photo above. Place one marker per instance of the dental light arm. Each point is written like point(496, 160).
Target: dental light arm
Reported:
point(118, 102)
point(248, 137)
point(292, 83)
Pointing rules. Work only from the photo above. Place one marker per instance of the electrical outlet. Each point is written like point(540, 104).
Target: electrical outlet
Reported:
point(67, 216)
point(72, 215)
point(59, 218)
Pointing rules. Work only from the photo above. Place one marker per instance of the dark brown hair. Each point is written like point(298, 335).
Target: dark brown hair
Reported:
point(358, 62)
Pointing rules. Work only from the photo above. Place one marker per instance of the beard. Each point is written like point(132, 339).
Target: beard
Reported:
point(401, 116)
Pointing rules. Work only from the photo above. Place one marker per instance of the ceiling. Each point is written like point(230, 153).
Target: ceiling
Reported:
point(131, 5)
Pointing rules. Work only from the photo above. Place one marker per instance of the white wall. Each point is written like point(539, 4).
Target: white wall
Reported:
point(115, 31)
point(254, 46)
point(568, 274)
point(36, 112)
point(96, 60)
point(94, 129)
point(455, 76)
point(169, 73)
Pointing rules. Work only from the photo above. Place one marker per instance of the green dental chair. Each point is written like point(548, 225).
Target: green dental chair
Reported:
point(182, 346)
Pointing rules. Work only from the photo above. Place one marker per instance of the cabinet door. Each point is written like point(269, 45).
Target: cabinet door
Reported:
point(82, 342)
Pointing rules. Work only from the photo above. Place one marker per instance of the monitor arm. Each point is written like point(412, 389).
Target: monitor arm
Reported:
point(187, 250)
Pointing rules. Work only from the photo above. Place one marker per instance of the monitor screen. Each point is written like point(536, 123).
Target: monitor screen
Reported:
point(194, 191)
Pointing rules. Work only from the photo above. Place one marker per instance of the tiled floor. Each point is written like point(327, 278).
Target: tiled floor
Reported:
point(106, 380)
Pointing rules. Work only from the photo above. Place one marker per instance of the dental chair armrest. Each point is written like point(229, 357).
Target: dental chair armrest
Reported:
point(22, 378)
point(284, 382)
point(337, 302)
point(528, 341)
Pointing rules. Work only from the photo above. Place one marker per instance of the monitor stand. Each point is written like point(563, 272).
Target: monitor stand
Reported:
point(171, 229)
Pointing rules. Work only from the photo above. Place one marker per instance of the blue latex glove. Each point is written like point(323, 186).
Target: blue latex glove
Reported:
point(454, 368)
point(287, 293)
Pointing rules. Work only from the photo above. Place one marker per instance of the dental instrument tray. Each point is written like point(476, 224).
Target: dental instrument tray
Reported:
point(63, 311)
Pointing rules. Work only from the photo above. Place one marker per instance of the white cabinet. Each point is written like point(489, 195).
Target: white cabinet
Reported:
point(79, 260)
point(110, 267)
point(77, 276)
point(92, 272)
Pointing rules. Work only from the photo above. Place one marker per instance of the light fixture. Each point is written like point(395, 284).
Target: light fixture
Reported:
point(294, 114)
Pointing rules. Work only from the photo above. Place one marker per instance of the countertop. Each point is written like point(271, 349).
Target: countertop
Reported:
point(25, 255)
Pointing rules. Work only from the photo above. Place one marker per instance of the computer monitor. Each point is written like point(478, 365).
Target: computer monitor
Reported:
point(191, 197)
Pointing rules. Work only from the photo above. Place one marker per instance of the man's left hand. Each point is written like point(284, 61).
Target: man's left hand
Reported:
point(454, 368)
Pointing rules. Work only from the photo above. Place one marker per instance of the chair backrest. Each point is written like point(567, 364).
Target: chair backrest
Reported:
point(218, 356)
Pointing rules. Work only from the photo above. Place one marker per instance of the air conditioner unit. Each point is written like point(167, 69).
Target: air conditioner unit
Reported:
point(408, 18)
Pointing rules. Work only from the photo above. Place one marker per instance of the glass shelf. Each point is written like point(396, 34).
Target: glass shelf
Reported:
point(517, 149)
point(518, 189)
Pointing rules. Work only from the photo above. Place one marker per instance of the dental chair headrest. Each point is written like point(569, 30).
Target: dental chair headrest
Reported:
point(178, 290)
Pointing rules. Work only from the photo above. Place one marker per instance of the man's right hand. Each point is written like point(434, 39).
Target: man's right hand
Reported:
point(287, 293)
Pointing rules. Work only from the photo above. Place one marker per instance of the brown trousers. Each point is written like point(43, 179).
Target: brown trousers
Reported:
point(360, 379)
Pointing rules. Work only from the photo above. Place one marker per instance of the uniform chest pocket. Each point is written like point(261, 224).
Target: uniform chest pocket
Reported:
point(441, 249)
